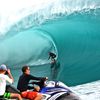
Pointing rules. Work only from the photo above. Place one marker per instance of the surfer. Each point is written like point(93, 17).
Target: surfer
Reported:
point(25, 78)
point(55, 65)
point(5, 75)
point(52, 56)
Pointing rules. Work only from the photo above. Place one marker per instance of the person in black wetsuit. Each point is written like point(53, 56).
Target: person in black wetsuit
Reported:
point(25, 78)
point(52, 55)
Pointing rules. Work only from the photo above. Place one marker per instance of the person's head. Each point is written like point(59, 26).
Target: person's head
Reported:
point(3, 68)
point(52, 55)
point(26, 69)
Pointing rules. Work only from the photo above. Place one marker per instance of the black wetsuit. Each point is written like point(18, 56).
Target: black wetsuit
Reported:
point(23, 82)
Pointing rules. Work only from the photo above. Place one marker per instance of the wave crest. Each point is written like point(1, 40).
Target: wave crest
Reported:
point(36, 13)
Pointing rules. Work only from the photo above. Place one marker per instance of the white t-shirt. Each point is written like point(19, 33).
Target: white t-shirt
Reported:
point(3, 79)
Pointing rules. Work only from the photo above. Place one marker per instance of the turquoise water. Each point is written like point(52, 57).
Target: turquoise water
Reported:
point(71, 30)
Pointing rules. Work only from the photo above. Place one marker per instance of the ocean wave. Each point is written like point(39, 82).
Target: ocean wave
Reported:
point(36, 13)
point(74, 36)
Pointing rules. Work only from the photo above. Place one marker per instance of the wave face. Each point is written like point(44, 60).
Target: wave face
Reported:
point(68, 28)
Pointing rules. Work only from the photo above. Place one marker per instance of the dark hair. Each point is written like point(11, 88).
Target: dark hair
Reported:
point(24, 68)
point(52, 55)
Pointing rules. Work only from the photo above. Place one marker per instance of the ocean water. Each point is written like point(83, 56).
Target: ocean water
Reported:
point(71, 29)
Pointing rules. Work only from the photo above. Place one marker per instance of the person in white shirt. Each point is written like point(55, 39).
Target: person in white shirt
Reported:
point(3, 78)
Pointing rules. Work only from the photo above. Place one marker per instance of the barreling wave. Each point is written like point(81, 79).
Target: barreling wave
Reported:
point(30, 48)
point(67, 27)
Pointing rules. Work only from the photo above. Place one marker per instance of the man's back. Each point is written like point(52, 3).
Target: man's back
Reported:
point(23, 82)
point(3, 79)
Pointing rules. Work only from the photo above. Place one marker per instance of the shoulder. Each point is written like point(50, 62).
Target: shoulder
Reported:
point(30, 76)
point(3, 75)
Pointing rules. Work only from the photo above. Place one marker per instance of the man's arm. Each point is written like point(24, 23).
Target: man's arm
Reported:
point(38, 78)
point(41, 81)
point(10, 75)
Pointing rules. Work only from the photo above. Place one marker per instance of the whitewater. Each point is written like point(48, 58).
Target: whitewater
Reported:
point(70, 29)
point(89, 91)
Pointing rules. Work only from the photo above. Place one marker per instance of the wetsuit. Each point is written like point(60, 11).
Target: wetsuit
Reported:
point(23, 82)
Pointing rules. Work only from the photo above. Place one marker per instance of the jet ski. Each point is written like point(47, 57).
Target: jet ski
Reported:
point(52, 90)
point(56, 90)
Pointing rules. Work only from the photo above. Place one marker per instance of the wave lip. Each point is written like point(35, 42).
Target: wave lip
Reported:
point(40, 12)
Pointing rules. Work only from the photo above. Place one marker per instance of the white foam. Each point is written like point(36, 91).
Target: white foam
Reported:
point(89, 91)
point(11, 11)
